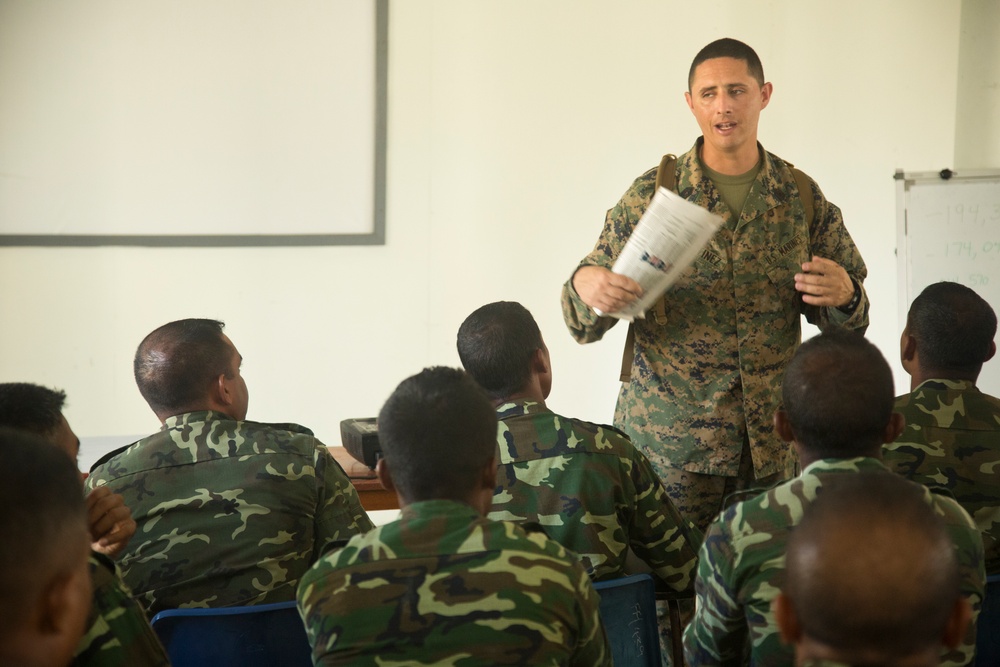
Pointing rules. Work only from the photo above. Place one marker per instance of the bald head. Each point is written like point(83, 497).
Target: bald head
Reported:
point(893, 598)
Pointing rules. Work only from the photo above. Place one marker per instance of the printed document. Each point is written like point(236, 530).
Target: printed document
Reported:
point(667, 239)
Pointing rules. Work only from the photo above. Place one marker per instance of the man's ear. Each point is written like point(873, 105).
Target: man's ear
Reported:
point(219, 392)
point(958, 622)
point(783, 427)
point(765, 94)
point(907, 349)
point(788, 623)
point(992, 351)
point(489, 475)
point(540, 362)
point(897, 423)
point(384, 476)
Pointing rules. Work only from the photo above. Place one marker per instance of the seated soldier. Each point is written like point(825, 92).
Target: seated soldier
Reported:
point(837, 395)
point(444, 584)
point(44, 580)
point(952, 434)
point(117, 632)
point(871, 578)
point(230, 512)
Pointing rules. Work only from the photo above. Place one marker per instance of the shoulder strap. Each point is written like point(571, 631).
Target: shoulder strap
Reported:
point(666, 177)
point(805, 193)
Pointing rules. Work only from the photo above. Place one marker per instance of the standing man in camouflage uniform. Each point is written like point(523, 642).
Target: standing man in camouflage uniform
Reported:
point(705, 375)
point(117, 633)
point(838, 397)
point(896, 601)
point(229, 511)
point(444, 585)
point(590, 489)
point(952, 434)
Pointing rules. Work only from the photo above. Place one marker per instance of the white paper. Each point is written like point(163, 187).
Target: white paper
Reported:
point(667, 239)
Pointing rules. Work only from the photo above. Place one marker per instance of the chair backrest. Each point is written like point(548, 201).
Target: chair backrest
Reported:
point(988, 625)
point(258, 636)
point(628, 610)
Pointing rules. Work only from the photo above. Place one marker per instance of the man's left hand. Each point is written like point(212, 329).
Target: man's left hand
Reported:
point(823, 282)
point(111, 523)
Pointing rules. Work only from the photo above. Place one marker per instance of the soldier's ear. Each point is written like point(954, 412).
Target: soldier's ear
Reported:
point(384, 476)
point(958, 622)
point(992, 351)
point(897, 423)
point(782, 426)
point(788, 623)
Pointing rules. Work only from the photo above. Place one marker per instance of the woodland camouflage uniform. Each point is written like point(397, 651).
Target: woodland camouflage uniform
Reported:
point(742, 562)
point(592, 492)
point(445, 586)
point(952, 441)
point(118, 633)
point(228, 512)
point(708, 364)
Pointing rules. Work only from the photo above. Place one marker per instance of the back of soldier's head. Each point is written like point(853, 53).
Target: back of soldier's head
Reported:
point(871, 570)
point(953, 327)
point(44, 577)
point(438, 433)
point(496, 343)
point(176, 363)
point(838, 395)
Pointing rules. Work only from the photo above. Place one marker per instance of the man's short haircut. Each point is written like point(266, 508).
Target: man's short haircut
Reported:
point(496, 343)
point(729, 48)
point(43, 512)
point(838, 394)
point(175, 364)
point(871, 567)
point(953, 327)
point(438, 432)
point(31, 407)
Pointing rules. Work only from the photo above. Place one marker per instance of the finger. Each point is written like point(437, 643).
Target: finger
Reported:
point(106, 523)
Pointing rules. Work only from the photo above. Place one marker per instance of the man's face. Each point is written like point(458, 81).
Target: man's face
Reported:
point(726, 101)
point(236, 384)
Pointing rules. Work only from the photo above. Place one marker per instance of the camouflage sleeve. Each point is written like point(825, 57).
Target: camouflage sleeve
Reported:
point(718, 631)
point(338, 512)
point(658, 534)
point(118, 633)
point(829, 238)
point(592, 648)
point(971, 565)
point(584, 324)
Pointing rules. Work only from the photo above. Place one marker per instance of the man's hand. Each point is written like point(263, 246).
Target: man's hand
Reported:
point(603, 290)
point(823, 282)
point(111, 524)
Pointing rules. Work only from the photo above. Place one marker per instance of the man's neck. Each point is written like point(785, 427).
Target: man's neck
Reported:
point(530, 392)
point(922, 375)
point(730, 164)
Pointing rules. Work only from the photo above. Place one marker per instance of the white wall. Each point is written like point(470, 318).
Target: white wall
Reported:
point(513, 126)
point(977, 130)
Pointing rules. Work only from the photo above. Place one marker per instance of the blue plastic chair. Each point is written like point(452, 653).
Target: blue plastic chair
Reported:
point(628, 610)
point(988, 625)
point(259, 636)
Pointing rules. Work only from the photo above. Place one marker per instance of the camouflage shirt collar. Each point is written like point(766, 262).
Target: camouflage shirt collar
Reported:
point(430, 509)
point(942, 384)
point(856, 464)
point(519, 407)
point(181, 420)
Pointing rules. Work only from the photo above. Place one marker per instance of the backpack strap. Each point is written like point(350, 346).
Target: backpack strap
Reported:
point(666, 177)
point(805, 193)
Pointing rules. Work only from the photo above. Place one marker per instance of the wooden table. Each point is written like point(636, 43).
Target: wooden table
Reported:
point(373, 495)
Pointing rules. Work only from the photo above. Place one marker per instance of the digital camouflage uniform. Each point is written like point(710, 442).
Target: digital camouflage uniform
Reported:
point(446, 586)
point(952, 441)
point(593, 493)
point(707, 371)
point(118, 633)
point(741, 565)
point(228, 512)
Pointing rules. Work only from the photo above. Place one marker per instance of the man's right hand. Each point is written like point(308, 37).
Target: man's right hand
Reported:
point(604, 290)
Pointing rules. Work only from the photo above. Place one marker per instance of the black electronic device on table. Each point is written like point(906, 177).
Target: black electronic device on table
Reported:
point(360, 439)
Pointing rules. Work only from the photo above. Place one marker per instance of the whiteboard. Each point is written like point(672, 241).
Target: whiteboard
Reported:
point(949, 229)
point(192, 123)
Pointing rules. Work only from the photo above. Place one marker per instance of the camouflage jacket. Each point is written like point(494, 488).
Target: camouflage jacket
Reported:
point(227, 512)
point(592, 491)
point(742, 561)
point(708, 366)
point(952, 441)
point(118, 633)
point(445, 586)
